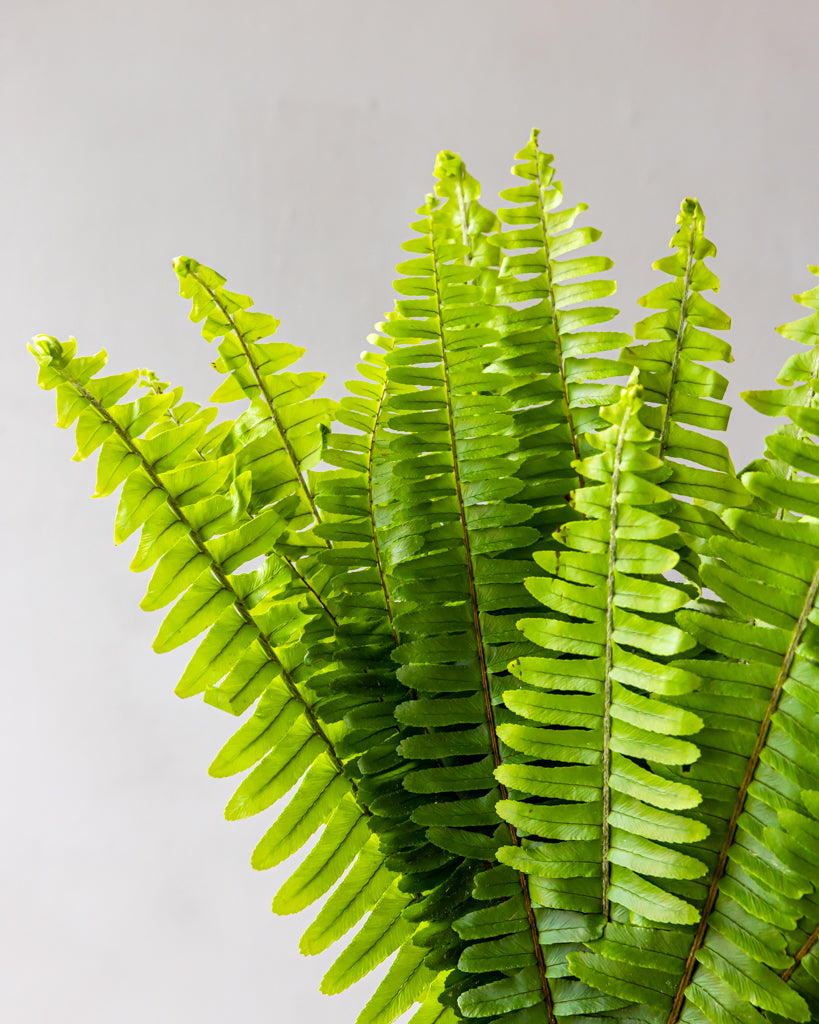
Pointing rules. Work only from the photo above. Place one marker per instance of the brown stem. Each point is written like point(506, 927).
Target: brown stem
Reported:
point(800, 955)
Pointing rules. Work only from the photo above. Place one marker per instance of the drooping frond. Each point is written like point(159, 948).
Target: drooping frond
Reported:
point(683, 394)
point(191, 507)
point(194, 508)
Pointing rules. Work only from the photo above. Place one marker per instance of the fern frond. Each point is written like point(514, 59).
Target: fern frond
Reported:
point(446, 514)
point(794, 842)
point(360, 689)
point(799, 381)
point(683, 396)
point(363, 689)
point(769, 573)
point(756, 907)
point(798, 377)
point(284, 425)
point(193, 507)
point(551, 340)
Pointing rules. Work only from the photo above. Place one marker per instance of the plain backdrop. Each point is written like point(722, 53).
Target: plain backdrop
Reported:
point(288, 144)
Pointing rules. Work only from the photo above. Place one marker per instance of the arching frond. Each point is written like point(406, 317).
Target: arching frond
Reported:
point(194, 507)
point(280, 435)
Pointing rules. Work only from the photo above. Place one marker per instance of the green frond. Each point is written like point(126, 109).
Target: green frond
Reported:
point(796, 399)
point(682, 393)
point(758, 753)
point(798, 377)
point(607, 813)
point(283, 427)
point(448, 519)
point(362, 689)
point(551, 338)
point(194, 507)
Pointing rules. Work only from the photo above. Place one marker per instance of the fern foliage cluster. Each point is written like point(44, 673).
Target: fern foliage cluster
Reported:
point(520, 659)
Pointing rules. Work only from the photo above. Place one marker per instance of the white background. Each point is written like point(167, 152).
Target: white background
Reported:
point(287, 144)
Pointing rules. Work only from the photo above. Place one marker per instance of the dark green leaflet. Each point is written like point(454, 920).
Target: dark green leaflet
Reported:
point(454, 431)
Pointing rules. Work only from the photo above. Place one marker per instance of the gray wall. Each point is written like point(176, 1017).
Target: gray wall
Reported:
point(288, 145)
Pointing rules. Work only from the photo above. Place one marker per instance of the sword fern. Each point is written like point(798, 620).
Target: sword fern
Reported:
point(461, 613)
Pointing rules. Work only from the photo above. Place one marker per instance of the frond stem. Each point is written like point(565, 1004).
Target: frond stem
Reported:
point(174, 419)
point(311, 588)
point(801, 953)
point(371, 512)
point(675, 365)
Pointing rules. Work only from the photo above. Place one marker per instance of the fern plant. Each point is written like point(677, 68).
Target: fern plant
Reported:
point(504, 625)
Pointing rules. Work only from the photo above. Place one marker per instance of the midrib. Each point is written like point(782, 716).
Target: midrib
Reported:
point(675, 364)
point(609, 658)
